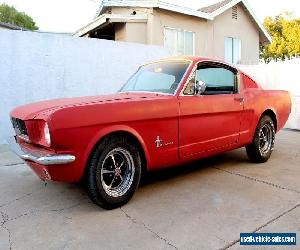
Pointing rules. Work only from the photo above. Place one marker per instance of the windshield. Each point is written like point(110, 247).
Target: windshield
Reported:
point(163, 77)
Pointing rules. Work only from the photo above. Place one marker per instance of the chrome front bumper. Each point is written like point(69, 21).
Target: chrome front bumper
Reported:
point(38, 156)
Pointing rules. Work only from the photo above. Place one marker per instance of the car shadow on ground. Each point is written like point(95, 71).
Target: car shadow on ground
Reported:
point(230, 158)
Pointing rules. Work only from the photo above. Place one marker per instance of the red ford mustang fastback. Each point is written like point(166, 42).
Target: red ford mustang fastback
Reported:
point(169, 112)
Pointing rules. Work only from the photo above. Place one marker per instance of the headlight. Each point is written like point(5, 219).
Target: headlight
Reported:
point(38, 132)
point(47, 134)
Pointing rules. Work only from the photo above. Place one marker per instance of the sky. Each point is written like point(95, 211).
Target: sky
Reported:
point(71, 15)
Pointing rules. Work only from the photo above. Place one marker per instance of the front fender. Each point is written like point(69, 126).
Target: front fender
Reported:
point(112, 129)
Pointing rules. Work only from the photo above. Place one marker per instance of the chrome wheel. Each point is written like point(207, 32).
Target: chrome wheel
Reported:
point(262, 145)
point(117, 172)
point(266, 138)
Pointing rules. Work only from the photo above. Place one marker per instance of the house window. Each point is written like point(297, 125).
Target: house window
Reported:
point(179, 42)
point(233, 50)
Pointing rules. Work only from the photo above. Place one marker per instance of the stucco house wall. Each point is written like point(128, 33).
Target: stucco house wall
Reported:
point(209, 35)
point(120, 32)
point(201, 28)
point(136, 32)
point(243, 28)
point(163, 18)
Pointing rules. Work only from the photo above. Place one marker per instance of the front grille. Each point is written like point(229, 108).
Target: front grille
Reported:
point(19, 126)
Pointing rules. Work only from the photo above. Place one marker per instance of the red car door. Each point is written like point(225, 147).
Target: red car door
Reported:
point(210, 120)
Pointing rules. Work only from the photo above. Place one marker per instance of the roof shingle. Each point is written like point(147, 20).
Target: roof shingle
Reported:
point(212, 8)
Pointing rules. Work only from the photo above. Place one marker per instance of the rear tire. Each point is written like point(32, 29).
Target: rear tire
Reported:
point(261, 148)
point(114, 172)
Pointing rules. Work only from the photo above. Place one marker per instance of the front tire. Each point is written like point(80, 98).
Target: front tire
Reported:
point(114, 172)
point(261, 148)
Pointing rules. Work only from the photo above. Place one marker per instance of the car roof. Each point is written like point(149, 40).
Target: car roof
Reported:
point(193, 59)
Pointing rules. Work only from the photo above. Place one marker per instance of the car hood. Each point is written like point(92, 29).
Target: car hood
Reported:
point(30, 111)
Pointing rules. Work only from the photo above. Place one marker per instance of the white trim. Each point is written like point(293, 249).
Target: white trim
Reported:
point(92, 25)
point(246, 4)
point(224, 8)
point(260, 25)
point(111, 18)
point(153, 4)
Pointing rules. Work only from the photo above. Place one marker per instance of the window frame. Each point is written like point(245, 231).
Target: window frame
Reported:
point(180, 30)
point(216, 65)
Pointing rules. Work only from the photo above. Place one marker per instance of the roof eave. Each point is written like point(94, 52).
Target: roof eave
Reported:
point(260, 25)
point(246, 4)
point(153, 4)
point(109, 18)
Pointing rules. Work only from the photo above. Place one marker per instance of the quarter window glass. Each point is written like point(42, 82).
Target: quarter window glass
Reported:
point(190, 83)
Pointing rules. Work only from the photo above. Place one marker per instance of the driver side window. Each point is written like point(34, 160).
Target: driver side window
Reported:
point(218, 80)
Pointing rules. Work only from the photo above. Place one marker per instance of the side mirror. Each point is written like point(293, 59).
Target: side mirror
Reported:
point(199, 87)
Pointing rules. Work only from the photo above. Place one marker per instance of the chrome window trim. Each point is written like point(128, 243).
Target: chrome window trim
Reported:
point(147, 92)
point(188, 79)
point(168, 59)
point(184, 76)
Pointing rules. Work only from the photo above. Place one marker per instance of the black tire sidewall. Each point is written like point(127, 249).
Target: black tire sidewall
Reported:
point(256, 153)
point(95, 188)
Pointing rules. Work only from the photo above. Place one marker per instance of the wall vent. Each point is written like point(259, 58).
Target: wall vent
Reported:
point(234, 12)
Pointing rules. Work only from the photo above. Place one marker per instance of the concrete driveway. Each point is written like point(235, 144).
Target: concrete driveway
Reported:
point(205, 205)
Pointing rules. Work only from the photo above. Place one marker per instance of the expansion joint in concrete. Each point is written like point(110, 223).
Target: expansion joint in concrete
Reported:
point(257, 180)
point(147, 228)
point(262, 226)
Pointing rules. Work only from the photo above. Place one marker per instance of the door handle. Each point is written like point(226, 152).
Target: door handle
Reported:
point(239, 99)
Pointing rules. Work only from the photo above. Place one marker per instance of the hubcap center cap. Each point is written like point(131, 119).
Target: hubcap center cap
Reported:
point(117, 172)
